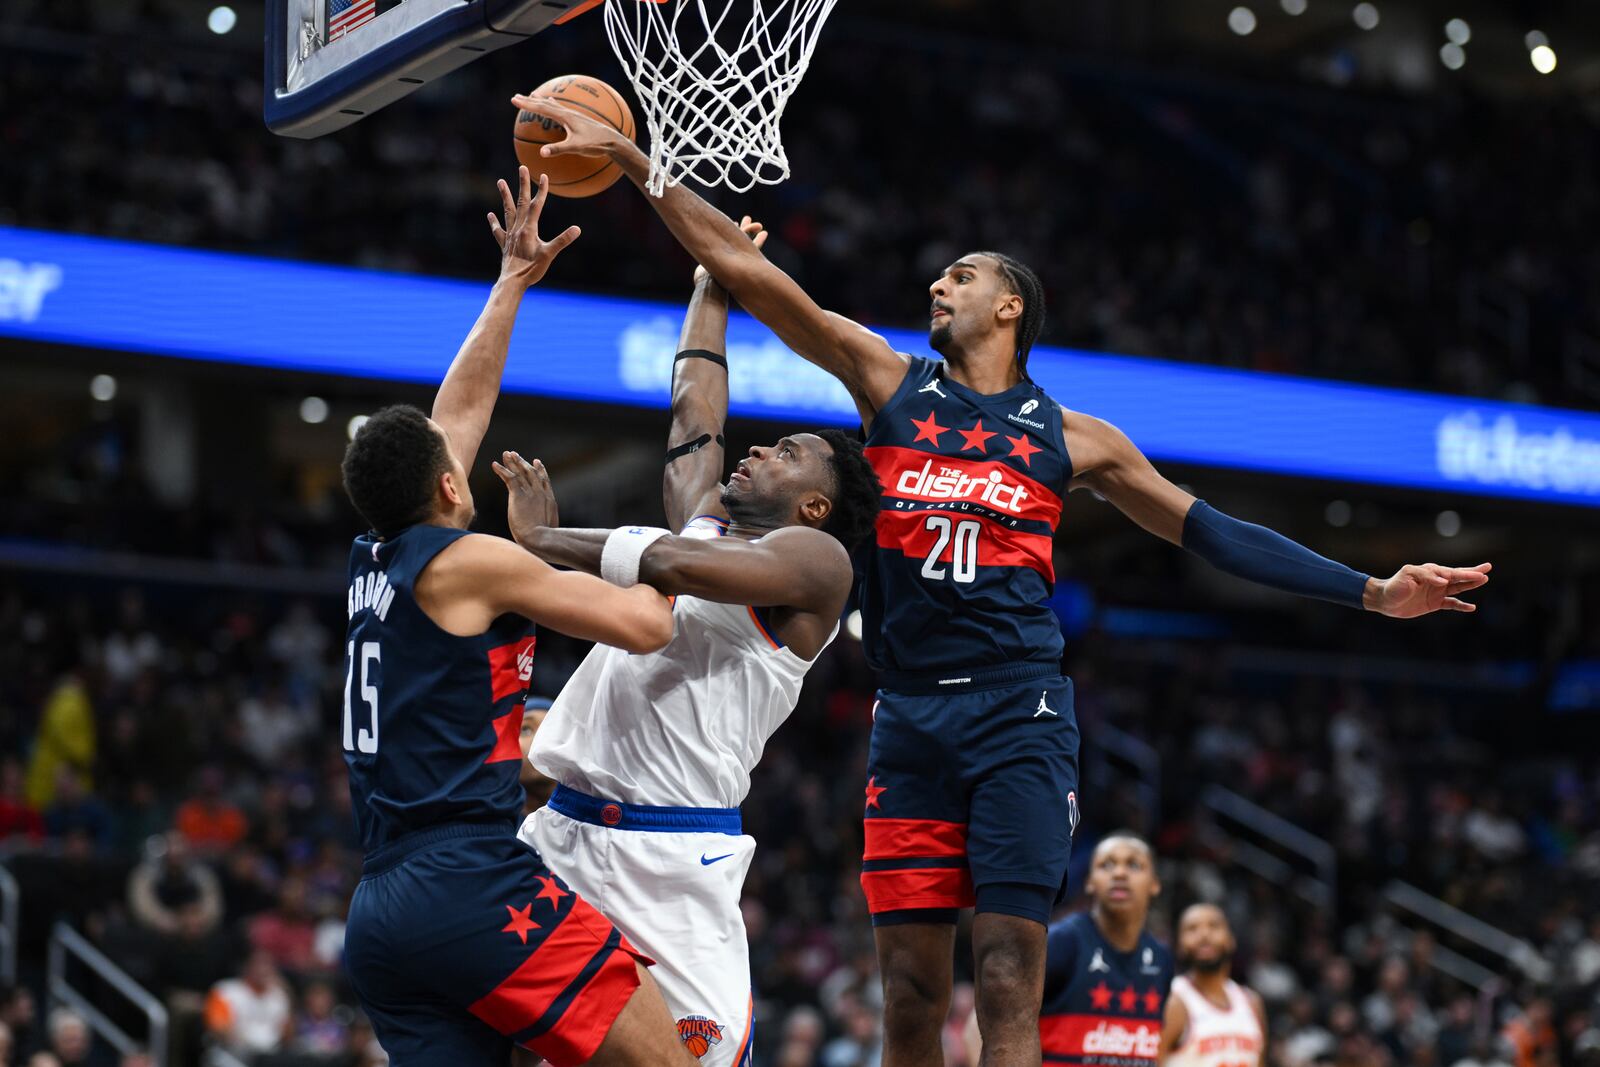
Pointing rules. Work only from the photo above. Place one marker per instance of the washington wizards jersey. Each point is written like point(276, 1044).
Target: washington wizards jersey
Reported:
point(1102, 1006)
point(972, 490)
point(431, 720)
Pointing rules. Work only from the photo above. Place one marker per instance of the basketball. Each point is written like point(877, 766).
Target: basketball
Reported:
point(697, 1045)
point(573, 176)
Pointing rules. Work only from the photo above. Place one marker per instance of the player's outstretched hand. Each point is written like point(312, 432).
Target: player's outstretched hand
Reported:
point(586, 136)
point(752, 229)
point(524, 256)
point(1421, 589)
point(531, 503)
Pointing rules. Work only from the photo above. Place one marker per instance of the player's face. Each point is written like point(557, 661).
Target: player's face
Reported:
point(964, 301)
point(1122, 877)
point(1205, 941)
point(464, 510)
point(775, 485)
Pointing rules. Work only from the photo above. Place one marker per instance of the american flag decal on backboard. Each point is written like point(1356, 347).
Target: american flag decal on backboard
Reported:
point(346, 15)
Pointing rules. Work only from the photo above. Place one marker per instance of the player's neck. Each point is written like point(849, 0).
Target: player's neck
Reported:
point(746, 531)
point(1213, 985)
point(1122, 932)
point(984, 372)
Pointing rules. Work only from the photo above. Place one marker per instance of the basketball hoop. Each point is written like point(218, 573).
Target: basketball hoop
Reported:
point(713, 78)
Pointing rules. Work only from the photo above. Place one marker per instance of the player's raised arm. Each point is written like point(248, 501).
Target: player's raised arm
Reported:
point(467, 395)
point(691, 483)
point(1107, 462)
point(859, 358)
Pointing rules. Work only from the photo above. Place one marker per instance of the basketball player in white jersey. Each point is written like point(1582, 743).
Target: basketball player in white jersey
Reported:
point(652, 755)
point(1211, 1020)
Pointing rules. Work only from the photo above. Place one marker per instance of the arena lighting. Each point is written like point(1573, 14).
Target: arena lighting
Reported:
point(1448, 523)
point(1293, 7)
point(221, 20)
point(1453, 55)
point(1543, 59)
point(314, 409)
point(1366, 16)
point(1339, 513)
point(353, 427)
point(1242, 20)
point(103, 387)
point(1458, 31)
point(1534, 39)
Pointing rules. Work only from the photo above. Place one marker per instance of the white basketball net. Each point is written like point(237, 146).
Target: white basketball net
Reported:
point(714, 77)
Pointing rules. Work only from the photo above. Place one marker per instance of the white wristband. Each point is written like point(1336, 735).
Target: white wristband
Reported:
point(619, 560)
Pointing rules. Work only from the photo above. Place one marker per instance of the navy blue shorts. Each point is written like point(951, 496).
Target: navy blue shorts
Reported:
point(970, 785)
point(461, 942)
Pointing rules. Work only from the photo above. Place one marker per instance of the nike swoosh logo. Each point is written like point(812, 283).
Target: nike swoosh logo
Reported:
point(708, 862)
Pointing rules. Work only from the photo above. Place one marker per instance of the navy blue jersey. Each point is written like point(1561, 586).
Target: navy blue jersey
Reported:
point(431, 720)
point(1102, 1006)
point(972, 489)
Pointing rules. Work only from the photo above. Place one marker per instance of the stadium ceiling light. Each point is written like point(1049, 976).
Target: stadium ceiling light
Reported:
point(1448, 523)
point(1543, 59)
point(353, 427)
point(1534, 38)
point(221, 20)
point(1242, 20)
point(1366, 16)
point(1453, 55)
point(1338, 513)
point(1458, 31)
point(103, 387)
point(1293, 7)
point(314, 409)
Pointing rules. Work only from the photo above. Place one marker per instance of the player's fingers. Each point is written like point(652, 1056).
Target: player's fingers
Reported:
point(505, 475)
point(563, 239)
point(1452, 604)
point(495, 231)
point(522, 187)
point(506, 202)
point(538, 468)
point(760, 238)
point(539, 198)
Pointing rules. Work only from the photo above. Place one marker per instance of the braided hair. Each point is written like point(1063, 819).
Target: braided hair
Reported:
point(1021, 280)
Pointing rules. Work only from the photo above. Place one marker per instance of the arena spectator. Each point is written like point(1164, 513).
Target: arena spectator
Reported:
point(210, 822)
point(18, 818)
point(318, 1028)
point(65, 741)
point(287, 933)
point(251, 1013)
point(70, 1039)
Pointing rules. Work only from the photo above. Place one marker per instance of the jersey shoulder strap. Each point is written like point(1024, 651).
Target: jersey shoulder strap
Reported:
point(921, 371)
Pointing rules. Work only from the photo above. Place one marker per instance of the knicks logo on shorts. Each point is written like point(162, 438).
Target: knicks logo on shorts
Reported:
point(699, 1033)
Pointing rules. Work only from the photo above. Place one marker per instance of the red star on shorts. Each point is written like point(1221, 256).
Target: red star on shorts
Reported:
point(928, 429)
point(977, 437)
point(874, 790)
point(550, 891)
point(1127, 999)
point(1023, 449)
point(1152, 1001)
point(520, 924)
point(1100, 996)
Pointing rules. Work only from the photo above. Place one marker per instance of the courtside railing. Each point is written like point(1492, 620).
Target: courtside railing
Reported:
point(1251, 828)
point(1114, 757)
point(66, 945)
point(1515, 952)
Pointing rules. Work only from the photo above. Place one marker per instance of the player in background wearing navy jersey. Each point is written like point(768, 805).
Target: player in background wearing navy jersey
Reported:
point(460, 942)
point(1105, 977)
point(971, 794)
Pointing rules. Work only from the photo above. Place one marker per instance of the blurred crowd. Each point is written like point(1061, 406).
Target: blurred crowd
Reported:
point(177, 799)
point(1436, 242)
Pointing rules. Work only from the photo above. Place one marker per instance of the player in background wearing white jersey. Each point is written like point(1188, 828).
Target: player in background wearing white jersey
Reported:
point(1211, 1020)
point(652, 755)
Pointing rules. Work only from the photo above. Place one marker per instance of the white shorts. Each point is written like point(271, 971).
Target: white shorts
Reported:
point(675, 896)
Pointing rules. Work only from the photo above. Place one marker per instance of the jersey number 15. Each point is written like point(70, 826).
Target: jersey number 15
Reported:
point(363, 740)
point(962, 540)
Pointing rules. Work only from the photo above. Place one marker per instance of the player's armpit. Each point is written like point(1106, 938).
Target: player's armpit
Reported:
point(1105, 460)
point(796, 567)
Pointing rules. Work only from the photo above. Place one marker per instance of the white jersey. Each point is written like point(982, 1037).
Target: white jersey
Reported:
point(1218, 1037)
point(682, 727)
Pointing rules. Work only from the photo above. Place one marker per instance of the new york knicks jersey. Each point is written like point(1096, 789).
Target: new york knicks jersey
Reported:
point(1102, 1006)
point(431, 720)
point(972, 491)
point(682, 727)
point(1218, 1037)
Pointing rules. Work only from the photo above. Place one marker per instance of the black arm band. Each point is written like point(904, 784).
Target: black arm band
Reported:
point(700, 353)
point(689, 447)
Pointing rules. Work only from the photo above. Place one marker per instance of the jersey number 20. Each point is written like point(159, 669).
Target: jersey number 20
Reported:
point(363, 740)
point(962, 537)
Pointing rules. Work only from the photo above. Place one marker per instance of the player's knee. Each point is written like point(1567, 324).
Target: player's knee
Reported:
point(909, 991)
point(1006, 977)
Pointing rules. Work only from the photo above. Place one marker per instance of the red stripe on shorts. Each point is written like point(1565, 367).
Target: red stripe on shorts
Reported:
point(577, 1035)
point(927, 887)
point(523, 998)
point(893, 839)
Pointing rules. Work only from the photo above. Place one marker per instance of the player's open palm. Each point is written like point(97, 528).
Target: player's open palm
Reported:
point(1420, 589)
point(586, 136)
point(524, 255)
point(532, 502)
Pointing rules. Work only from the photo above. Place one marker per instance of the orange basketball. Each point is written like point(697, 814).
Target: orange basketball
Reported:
point(697, 1045)
point(572, 176)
